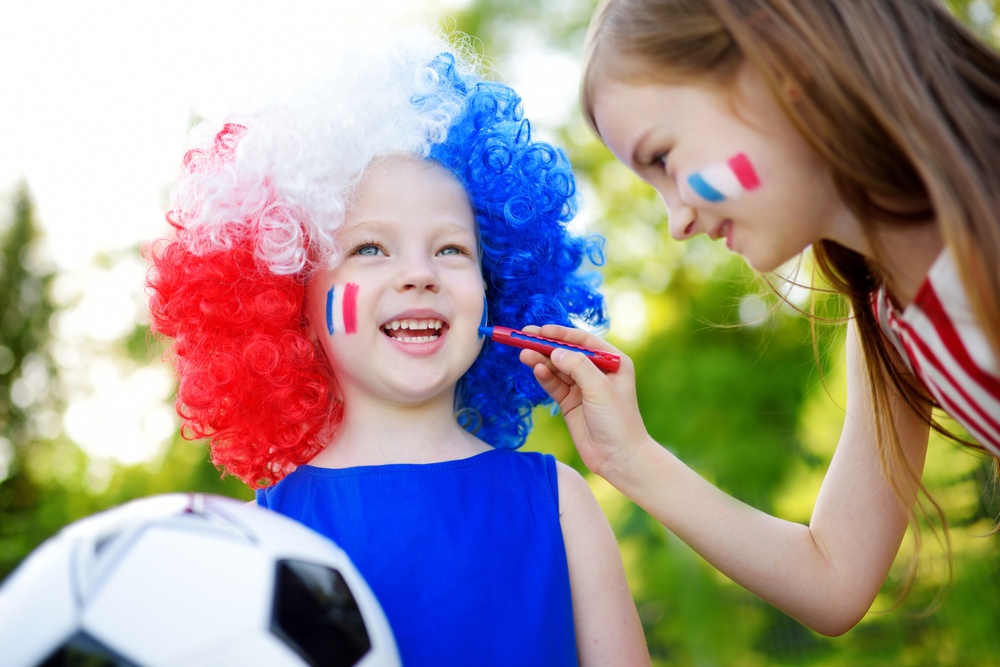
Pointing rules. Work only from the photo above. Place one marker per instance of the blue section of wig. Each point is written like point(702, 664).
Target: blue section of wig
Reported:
point(523, 194)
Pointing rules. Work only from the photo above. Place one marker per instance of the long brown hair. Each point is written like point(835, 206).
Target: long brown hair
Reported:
point(897, 96)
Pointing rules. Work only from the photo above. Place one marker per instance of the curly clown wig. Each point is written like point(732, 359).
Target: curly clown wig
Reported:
point(257, 207)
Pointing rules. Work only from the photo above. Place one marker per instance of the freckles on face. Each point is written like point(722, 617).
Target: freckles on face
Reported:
point(726, 180)
point(342, 309)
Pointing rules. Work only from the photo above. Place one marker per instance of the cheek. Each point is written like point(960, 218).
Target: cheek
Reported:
point(725, 181)
point(341, 312)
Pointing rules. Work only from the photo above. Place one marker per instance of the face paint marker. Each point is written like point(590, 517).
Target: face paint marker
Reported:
point(728, 180)
point(342, 309)
point(606, 361)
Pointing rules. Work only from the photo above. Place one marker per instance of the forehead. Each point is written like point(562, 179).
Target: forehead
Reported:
point(627, 114)
point(623, 113)
point(409, 190)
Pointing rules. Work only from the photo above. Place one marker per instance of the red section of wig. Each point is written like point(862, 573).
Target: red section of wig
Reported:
point(251, 378)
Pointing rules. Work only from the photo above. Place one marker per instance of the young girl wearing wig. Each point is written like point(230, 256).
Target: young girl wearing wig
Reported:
point(870, 132)
point(335, 253)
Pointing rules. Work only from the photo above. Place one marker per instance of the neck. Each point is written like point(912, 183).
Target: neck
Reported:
point(378, 433)
point(903, 253)
point(906, 254)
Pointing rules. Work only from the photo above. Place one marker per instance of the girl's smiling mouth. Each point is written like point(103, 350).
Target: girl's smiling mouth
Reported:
point(414, 330)
point(724, 230)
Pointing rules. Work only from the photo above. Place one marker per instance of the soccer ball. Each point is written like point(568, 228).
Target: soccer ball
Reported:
point(191, 579)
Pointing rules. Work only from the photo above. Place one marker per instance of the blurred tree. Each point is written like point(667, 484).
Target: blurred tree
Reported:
point(46, 480)
point(29, 392)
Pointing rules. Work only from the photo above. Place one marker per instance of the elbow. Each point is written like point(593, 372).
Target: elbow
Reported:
point(834, 603)
point(837, 619)
point(831, 610)
point(835, 627)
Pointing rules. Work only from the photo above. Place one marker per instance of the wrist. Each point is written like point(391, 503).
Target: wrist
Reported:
point(626, 468)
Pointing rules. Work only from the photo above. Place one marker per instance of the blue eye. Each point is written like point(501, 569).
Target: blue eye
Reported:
point(452, 250)
point(367, 250)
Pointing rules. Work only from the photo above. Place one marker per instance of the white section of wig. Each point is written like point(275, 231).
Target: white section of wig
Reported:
point(301, 156)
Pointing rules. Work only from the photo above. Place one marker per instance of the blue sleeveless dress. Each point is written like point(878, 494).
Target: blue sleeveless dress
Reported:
point(466, 557)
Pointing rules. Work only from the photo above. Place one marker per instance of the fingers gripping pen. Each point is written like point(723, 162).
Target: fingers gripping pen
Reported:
point(606, 361)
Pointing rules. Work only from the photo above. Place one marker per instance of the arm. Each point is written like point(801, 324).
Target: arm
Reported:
point(608, 631)
point(825, 574)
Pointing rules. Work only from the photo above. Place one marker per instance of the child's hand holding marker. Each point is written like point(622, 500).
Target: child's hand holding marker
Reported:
point(600, 409)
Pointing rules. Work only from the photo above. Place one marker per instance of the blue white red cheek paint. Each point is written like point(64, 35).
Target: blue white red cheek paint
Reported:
point(342, 309)
point(725, 181)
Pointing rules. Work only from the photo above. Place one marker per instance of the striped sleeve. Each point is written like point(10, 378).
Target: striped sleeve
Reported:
point(945, 348)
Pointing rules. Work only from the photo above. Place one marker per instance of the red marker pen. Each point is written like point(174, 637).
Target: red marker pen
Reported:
point(606, 361)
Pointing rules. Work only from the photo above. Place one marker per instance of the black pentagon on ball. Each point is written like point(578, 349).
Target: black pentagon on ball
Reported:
point(316, 614)
point(82, 650)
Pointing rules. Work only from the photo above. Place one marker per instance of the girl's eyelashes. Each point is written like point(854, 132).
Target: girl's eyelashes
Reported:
point(368, 249)
point(655, 162)
point(455, 249)
point(375, 249)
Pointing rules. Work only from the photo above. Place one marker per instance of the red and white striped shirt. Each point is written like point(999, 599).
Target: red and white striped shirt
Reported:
point(942, 344)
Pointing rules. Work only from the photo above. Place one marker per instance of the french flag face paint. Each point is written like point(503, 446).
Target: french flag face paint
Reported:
point(728, 180)
point(342, 309)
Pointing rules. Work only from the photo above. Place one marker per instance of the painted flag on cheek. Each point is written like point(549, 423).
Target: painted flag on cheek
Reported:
point(342, 309)
point(728, 180)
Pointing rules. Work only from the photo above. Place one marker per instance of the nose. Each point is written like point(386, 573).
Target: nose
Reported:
point(682, 219)
point(417, 272)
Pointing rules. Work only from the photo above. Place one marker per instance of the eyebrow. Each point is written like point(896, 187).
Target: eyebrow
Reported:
point(449, 227)
point(637, 163)
point(365, 225)
point(376, 225)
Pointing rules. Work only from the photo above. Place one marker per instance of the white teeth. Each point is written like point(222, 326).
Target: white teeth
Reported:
point(415, 339)
point(412, 325)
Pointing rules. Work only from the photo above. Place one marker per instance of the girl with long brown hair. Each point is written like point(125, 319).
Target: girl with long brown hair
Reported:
point(868, 132)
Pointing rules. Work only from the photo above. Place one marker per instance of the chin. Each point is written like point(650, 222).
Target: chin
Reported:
point(423, 389)
point(763, 264)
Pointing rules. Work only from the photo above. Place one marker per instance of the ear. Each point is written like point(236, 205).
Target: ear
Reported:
point(307, 315)
point(792, 91)
point(311, 334)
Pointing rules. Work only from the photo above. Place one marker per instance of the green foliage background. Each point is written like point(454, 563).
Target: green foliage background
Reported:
point(745, 401)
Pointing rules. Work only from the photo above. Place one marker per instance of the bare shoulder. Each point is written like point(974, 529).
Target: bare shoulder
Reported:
point(607, 624)
point(574, 492)
point(584, 523)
